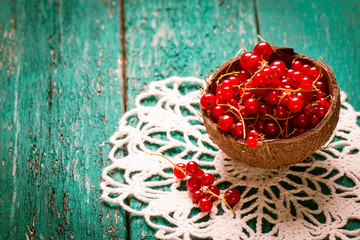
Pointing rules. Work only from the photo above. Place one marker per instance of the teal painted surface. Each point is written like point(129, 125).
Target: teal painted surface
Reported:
point(60, 102)
point(327, 30)
point(60, 90)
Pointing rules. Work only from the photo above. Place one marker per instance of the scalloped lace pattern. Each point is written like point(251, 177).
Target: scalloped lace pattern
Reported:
point(318, 199)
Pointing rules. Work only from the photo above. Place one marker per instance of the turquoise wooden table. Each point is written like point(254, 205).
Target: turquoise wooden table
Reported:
point(70, 69)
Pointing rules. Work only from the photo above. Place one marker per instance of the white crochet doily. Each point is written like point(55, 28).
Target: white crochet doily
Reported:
point(319, 199)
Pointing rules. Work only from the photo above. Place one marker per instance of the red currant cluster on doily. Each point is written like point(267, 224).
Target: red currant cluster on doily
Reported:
point(200, 185)
point(266, 99)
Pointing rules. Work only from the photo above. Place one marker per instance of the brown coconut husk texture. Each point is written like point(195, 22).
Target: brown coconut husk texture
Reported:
point(277, 153)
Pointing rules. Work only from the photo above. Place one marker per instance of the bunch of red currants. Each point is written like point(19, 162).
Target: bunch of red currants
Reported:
point(200, 185)
point(266, 99)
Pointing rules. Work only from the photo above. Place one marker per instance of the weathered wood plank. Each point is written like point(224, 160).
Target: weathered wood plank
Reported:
point(327, 30)
point(61, 100)
point(183, 38)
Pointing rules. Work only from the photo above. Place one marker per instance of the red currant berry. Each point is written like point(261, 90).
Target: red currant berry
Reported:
point(259, 125)
point(322, 102)
point(218, 111)
point(321, 111)
point(305, 68)
point(300, 121)
point(272, 97)
point(244, 59)
point(243, 76)
point(253, 63)
point(300, 131)
point(267, 75)
point(295, 104)
point(284, 96)
point(263, 50)
point(232, 196)
point(251, 141)
point(208, 101)
point(200, 173)
point(297, 66)
point(197, 195)
point(180, 174)
point(215, 190)
point(225, 122)
point(234, 80)
point(306, 83)
point(193, 184)
point(265, 110)
point(320, 94)
point(227, 92)
point(295, 78)
point(238, 130)
point(313, 73)
point(252, 105)
point(276, 72)
point(308, 110)
point(280, 111)
point(321, 86)
point(281, 65)
point(192, 168)
point(219, 96)
point(205, 205)
point(271, 129)
point(208, 179)
point(314, 120)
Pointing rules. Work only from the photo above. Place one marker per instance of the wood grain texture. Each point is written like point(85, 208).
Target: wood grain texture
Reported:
point(327, 30)
point(60, 102)
point(183, 38)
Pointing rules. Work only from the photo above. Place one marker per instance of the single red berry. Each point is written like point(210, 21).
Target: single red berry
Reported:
point(219, 96)
point(197, 195)
point(238, 130)
point(193, 184)
point(308, 110)
point(272, 97)
point(321, 111)
point(306, 97)
point(322, 102)
point(243, 76)
point(208, 101)
point(227, 92)
point(295, 78)
point(232, 196)
point(313, 73)
point(305, 68)
point(285, 98)
point(208, 179)
point(314, 120)
point(244, 59)
point(225, 122)
point(276, 72)
point(306, 83)
point(265, 109)
point(280, 111)
point(205, 205)
point(180, 174)
point(281, 65)
point(259, 125)
point(268, 75)
point(192, 168)
point(251, 141)
point(215, 190)
point(253, 63)
point(252, 105)
point(271, 129)
point(233, 102)
point(320, 94)
point(243, 111)
point(321, 86)
point(200, 173)
point(263, 50)
point(234, 80)
point(297, 66)
point(295, 104)
point(300, 121)
point(218, 111)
